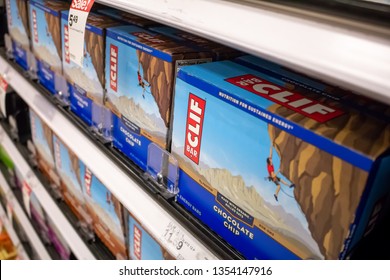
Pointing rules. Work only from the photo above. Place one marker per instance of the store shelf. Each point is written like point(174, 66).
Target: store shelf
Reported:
point(24, 221)
point(344, 56)
point(12, 234)
point(155, 219)
point(71, 236)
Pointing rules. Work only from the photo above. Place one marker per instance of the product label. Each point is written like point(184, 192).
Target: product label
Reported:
point(113, 67)
point(77, 20)
point(88, 180)
point(132, 145)
point(3, 91)
point(137, 242)
point(57, 151)
point(35, 26)
point(292, 100)
point(80, 104)
point(194, 127)
point(9, 17)
point(66, 43)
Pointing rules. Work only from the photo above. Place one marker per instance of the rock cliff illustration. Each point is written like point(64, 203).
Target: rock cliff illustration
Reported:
point(248, 199)
point(23, 13)
point(95, 48)
point(323, 181)
point(53, 27)
point(160, 74)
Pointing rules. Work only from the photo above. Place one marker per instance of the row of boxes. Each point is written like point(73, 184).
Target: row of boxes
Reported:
point(92, 203)
point(281, 166)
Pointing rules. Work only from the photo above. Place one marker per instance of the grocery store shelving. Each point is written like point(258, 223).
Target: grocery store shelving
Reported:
point(355, 59)
point(12, 234)
point(24, 221)
point(163, 226)
point(71, 236)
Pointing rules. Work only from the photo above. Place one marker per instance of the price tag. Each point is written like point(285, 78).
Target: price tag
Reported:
point(3, 91)
point(175, 240)
point(26, 191)
point(77, 20)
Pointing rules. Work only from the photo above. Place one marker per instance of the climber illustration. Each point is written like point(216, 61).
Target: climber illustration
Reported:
point(108, 198)
point(142, 82)
point(273, 177)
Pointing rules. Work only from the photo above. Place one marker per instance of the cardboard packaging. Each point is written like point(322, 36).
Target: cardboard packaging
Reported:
point(291, 79)
point(42, 138)
point(67, 166)
point(18, 29)
point(277, 173)
point(142, 246)
point(140, 72)
point(45, 22)
point(86, 84)
point(106, 212)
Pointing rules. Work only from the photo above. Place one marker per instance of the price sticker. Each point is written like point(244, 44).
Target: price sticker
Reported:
point(26, 191)
point(181, 247)
point(3, 91)
point(77, 20)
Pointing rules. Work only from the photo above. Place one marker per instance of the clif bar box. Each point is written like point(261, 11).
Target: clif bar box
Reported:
point(106, 212)
point(142, 246)
point(140, 73)
point(45, 25)
point(18, 29)
point(278, 173)
point(86, 83)
point(42, 138)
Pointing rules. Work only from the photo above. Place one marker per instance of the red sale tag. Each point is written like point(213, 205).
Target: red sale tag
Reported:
point(3, 85)
point(77, 20)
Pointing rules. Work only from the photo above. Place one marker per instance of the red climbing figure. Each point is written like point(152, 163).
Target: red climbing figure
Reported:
point(272, 176)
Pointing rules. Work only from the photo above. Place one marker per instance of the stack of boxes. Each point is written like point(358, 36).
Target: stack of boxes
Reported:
point(279, 165)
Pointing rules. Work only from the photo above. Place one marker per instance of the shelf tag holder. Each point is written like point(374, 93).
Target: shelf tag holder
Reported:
point(77, 20)
point(8, 46)
point(32, 65)
point(102, 122)
point(163, 171)
point(62, 90)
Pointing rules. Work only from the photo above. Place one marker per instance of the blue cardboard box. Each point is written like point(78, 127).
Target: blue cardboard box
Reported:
point(86, 83)
point(46, 39)
point(291, 79)
point(140, 71)
point(18, 29)
point(42, 138)
point(277, 173)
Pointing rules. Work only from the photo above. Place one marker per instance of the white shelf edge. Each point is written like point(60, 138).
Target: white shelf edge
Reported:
point(24, 221)
point(351, 59)
point(12, 234)
point(72, 238)
point(153, 217)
